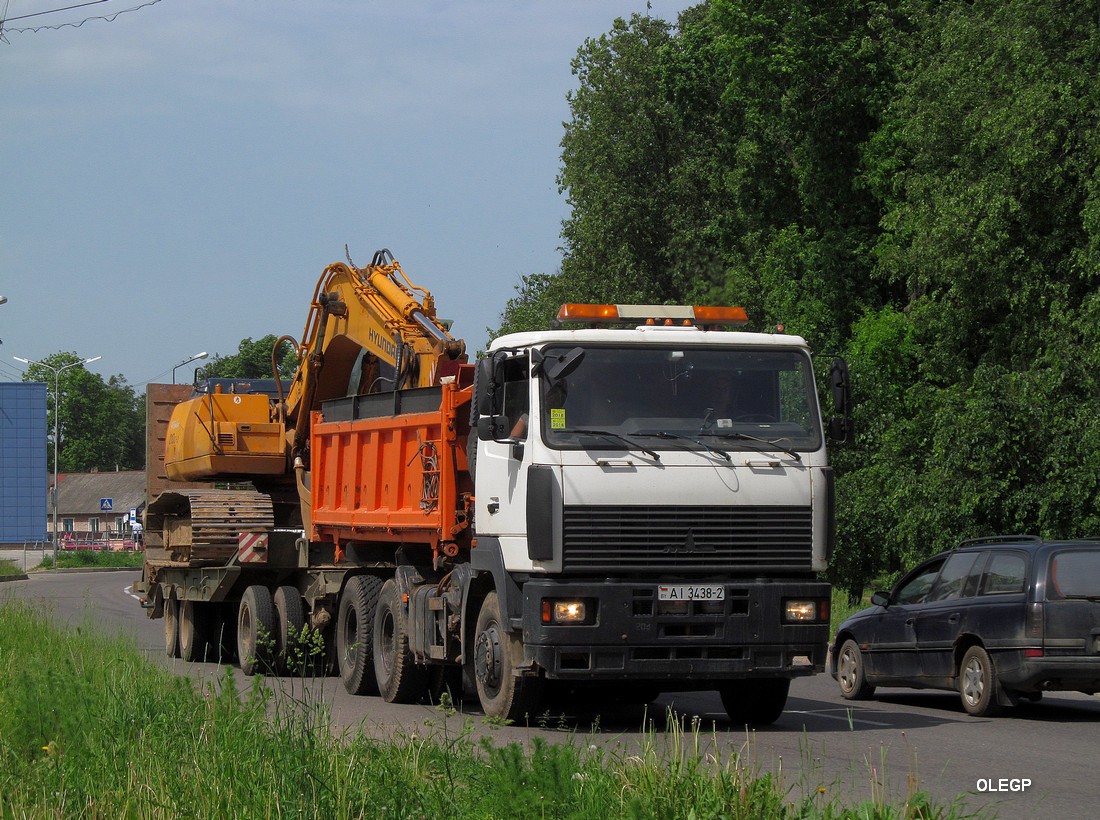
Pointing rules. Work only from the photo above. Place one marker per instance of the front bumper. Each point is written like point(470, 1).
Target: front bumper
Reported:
point(633, 636)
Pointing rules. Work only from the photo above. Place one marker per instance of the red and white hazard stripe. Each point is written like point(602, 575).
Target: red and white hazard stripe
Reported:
point(252, 548)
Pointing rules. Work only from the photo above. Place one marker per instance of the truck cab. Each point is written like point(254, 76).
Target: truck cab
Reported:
point(655, 503)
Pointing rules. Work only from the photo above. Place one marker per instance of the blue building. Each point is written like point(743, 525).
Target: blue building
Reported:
point(23, 475)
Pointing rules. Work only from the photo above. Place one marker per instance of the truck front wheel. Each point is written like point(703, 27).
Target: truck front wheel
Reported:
point(256, 630)
point(400, 678)
point(755, 701)
point(497, 653)
point(355, 634)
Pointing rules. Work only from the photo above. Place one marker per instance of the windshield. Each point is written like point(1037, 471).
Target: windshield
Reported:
point(684, 398)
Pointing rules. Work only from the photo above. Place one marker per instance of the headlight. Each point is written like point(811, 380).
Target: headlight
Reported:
point(801, 611)
point(564, 612)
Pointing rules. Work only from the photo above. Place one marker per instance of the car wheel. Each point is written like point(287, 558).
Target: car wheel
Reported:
point(978, 683)
point(850, 673)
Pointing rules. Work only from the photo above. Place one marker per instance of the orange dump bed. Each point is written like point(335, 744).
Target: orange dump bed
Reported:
point(393, 468)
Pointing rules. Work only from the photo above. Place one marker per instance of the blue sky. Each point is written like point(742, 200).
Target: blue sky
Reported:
point(176, 180)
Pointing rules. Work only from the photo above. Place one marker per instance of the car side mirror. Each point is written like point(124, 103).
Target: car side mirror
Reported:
point(880, 599)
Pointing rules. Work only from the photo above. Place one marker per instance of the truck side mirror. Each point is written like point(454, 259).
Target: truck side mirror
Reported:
point(492, 428)
point(841, 427)
point(557, 368)
point(486, 387)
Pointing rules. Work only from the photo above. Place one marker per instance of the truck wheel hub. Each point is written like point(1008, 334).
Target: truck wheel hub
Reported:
point(487, 657)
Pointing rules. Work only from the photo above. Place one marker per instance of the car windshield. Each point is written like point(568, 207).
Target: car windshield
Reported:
point(705, 399)
point(1075, 574)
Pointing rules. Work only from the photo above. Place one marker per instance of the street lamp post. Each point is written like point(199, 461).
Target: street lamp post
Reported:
point(57, 371)
point(187, 361)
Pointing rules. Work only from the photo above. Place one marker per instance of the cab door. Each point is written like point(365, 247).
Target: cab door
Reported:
point(500, 473)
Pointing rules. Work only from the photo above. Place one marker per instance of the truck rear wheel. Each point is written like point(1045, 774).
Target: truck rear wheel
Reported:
point(290, 622)
point(497, 654)
point(400, 678)
point(192, 630)
point(755, 701)
point(355, 634)
point(171, 627)
point(256, 630)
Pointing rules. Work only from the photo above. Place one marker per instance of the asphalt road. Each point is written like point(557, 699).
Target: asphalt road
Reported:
point(903, 739)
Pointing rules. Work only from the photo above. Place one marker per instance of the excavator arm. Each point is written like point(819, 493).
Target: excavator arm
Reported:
point(368, 330)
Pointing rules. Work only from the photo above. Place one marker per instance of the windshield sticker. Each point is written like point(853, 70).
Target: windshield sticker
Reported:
point(557, 418)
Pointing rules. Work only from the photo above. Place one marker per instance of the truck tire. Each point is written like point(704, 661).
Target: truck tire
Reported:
point(290, 621)
point(497, 654)
point(171, 627)
point(192, 630)
point(400, 678)
point(355, 634)
point(256, 630)
point(755, 701)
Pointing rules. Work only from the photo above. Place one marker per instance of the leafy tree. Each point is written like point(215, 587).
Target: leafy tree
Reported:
point(101, 425)
point(253, 361)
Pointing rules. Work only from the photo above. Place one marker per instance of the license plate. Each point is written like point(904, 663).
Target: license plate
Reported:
point(691, 592)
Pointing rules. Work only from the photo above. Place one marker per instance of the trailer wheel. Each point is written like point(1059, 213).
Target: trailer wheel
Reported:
point(256, 630)
point(355, 634)
point(755, 701)
point(192, 631)
point(400, 678)
point(171, 627)
point(497, 654)
point(290, 623)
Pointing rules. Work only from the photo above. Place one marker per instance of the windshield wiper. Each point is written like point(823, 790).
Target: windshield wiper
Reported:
point(771, 444)
point(629, 442)
point(677, 436)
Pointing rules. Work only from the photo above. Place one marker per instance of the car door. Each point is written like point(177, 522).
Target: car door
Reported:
point(943, 614)
point(892, 655)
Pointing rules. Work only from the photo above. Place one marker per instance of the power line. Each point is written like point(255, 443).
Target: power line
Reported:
point(109, 18)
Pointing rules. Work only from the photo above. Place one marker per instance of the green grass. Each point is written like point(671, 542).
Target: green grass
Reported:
point(8, 568)
point(77, 559)
point(88, 728)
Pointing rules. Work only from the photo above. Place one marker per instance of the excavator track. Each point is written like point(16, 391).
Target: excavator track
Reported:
point(204, 525)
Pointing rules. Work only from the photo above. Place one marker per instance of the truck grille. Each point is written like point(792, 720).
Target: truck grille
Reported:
point(687, 540)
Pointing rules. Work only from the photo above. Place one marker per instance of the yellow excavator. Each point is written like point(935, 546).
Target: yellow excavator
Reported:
point(368, 330)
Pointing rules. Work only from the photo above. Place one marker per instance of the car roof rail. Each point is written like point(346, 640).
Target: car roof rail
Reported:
point(1000, 539)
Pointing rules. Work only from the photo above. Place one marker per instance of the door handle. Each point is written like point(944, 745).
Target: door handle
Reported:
point(910, 621)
